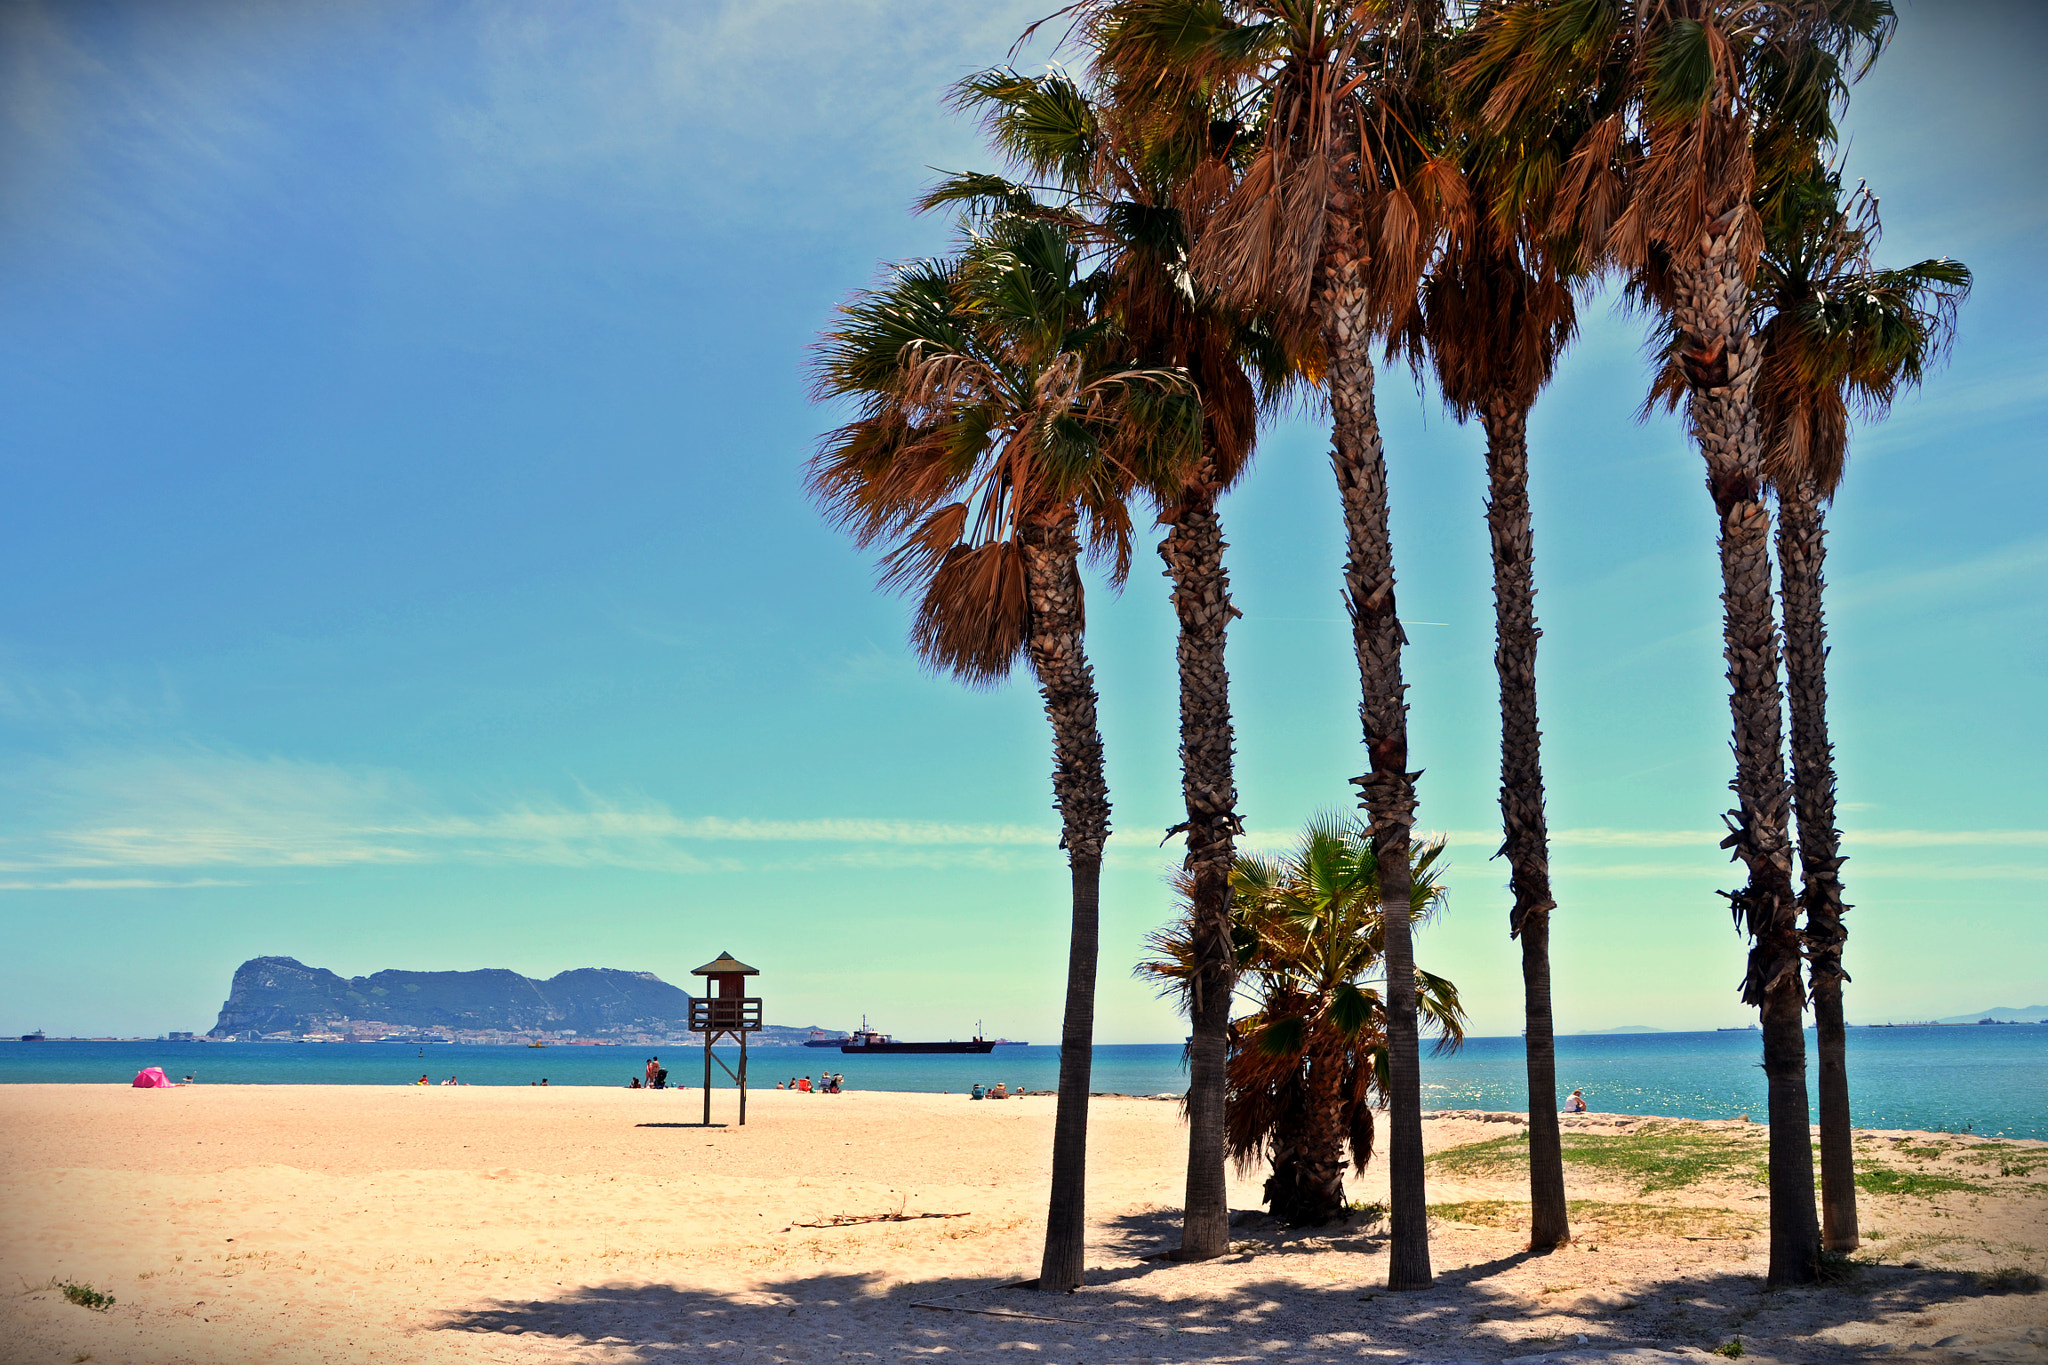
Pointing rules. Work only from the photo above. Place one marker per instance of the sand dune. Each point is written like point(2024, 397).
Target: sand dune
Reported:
point(328, 1223)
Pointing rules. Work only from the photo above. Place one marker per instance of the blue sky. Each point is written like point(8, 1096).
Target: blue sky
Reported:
point(405, 561)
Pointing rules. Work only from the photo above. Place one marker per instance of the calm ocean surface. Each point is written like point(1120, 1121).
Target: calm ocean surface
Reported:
point(1991, 1080)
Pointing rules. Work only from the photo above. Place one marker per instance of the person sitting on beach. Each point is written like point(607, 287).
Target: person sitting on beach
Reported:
point(804, 1085)
point(543, 1080)
point(635, 1085)
point(1576, 1104)
point(838, 1081)
point(999, 1093)
point(975, 1093)
point(421, 1081)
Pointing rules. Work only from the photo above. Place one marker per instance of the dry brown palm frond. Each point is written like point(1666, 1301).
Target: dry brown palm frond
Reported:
point(973, 619)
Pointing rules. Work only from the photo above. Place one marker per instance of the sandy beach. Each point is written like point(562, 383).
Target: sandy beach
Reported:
point(334, 1223)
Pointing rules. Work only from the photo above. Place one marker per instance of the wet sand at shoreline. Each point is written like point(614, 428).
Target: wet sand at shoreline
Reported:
point(432, 1224)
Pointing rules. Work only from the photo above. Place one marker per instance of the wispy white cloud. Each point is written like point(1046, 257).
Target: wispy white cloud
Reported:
point(1949, 838)
point(208, 811)
point(696, 104)
point(200, 808)
point(113, 884)
point(1957, 584)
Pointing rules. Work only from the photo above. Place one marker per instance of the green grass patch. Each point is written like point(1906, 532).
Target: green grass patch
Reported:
point(1657, 1157)
point(85, 1296)
point(1917, 1184)
point(2011, 1279)
point(1608, 1218)
point(2009, 1158)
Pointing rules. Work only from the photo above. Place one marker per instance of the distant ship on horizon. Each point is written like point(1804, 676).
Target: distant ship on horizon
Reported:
point(865, 1040)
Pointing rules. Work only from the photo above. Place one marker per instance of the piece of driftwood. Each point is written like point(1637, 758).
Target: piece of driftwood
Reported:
point(841, 1220)
point(995, 1313)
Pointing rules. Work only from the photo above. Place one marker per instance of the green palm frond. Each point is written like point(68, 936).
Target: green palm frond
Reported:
point(1310, 941)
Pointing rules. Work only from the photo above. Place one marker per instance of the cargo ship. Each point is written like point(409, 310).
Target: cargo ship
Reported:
point(820, 1038)
point(867, 1040)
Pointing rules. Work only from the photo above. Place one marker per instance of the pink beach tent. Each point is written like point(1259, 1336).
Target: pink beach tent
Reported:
point(153, 1078)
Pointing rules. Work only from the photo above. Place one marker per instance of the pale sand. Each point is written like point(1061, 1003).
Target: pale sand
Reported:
point(329, 1223)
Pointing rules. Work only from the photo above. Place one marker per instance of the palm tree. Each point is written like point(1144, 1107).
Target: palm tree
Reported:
point(1496, 312)
point(1679, 96)
point(1327, 230)
point(1307, 1063)
point(1838, 334)
point(996, 425)
point(1120, 191)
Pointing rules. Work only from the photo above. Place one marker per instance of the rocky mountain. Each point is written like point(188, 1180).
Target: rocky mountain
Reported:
point(274, 993)
point(2004, 1014)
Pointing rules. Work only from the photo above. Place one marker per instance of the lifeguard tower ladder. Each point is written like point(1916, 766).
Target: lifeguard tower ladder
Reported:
point(730, 1011)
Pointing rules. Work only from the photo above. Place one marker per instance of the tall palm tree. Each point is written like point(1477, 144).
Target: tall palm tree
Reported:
point(1121, 190)
point(1839, 335)
point(1496, 312)
point(1678, 95)
point(997, 424)
point(1327, 229)
point(1307, 1063)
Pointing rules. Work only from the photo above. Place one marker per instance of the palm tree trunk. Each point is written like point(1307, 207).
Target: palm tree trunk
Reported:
point(1193, 551)
point(1712, 313)
point(1285, 1147)
point(1068, 684)
point(1388, 787)
point(1802, 555)
point(1527, 844)
point(1319, 1195)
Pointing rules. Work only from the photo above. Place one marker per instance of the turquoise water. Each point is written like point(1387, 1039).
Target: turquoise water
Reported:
point(1990, 1080)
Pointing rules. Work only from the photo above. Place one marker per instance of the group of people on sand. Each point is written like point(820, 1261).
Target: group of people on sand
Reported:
point(995, 1092)
point(656, 1077)
point(828, 1083)
point(450, 1081)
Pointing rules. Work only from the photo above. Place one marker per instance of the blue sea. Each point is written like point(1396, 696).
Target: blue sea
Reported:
point(1984, 1079)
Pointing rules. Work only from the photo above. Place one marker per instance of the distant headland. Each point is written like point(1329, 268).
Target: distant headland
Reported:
point(282, 998)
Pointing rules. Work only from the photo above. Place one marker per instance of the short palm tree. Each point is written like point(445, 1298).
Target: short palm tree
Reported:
point(1680, 98)
point(1838, 335)
point(1308, 1062)
point(1121, 191)
point(1327, 230)
point(997, 424)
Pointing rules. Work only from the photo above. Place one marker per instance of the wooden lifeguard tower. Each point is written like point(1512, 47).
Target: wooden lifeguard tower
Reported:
point(729, 1011)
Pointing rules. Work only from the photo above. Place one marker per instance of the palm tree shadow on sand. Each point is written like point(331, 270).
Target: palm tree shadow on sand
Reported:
point(1201, 1315)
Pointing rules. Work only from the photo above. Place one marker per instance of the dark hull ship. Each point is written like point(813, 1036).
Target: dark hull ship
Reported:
point(866, 1040)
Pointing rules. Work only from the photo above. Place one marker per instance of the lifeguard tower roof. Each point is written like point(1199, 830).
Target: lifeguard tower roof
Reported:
point(725, 964)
